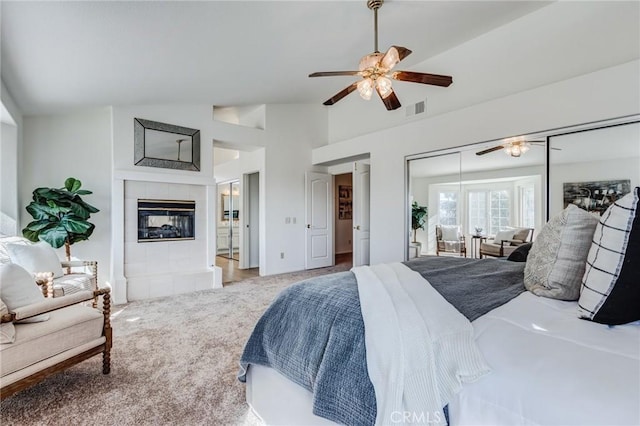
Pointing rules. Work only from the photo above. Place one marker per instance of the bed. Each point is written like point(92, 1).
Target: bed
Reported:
point(541, 362)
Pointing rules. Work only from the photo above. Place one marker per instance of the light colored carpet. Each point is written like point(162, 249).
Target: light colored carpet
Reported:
point(174, 362)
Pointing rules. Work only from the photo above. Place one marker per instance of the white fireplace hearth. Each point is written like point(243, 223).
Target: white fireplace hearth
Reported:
point(166, 267)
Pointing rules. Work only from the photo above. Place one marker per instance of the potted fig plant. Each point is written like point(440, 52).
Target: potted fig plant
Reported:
point(418, 220)
point(60, 216)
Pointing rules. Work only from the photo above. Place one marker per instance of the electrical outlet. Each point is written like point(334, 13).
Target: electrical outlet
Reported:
point(287, 220)
point(293, 220)
point(281, 255)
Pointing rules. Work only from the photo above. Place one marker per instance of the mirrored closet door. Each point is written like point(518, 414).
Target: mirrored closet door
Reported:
point(228, 230)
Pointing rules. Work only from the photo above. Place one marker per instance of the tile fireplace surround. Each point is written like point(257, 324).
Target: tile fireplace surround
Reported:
point(165, 268)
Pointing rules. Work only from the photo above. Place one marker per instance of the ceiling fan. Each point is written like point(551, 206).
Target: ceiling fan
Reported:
point(376, 71)
point(514, 147)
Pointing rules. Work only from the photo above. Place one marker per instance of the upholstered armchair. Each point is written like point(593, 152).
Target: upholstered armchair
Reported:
point(43, 336)
point(450, 239)
point(505, 242)
point(56, 277)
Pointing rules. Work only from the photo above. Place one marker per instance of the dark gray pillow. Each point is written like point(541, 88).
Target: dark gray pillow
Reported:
point(520, 254)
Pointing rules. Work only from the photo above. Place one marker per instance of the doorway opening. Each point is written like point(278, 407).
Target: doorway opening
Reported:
point(343, 238)
point(237, 239)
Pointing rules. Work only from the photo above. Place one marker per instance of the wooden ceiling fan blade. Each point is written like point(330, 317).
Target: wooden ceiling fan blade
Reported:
point(424, 78)
point(488, 150)
point(333, 73)
point(394, 55)
point(341, 94)
point(391, 102)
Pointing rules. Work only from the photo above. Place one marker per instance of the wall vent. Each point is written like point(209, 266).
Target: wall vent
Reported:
point(417, 108)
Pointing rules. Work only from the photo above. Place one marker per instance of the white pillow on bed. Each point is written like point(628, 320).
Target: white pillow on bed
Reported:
point(557, 258)
point(610, 292)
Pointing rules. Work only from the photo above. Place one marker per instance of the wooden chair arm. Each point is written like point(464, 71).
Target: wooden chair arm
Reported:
point(53, 304)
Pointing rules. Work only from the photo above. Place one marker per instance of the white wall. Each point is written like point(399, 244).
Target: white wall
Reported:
point(612, 92)
point(73, 145)
point(197, 116)
point(10, 154)
point(292, 132)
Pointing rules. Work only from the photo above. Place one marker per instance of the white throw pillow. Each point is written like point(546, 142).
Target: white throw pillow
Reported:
point(18, 288)
point(38, 257)
point(450, 233)
point(503, 236)
point(7, 329)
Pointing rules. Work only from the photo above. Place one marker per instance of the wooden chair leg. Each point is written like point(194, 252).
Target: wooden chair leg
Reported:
point(106, 354)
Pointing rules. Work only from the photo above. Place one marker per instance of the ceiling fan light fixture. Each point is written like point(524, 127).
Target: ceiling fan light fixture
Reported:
point(365, 88)
point(390, 59)
point(383, 84)
point(516, 148)
point(370, 61)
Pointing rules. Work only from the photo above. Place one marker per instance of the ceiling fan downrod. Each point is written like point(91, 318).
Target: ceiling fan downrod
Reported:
point(375, 5)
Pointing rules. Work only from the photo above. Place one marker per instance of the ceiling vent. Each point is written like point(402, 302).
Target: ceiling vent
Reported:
point(417, 108)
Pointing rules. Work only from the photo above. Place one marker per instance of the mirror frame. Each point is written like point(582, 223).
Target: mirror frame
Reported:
point(140, 126)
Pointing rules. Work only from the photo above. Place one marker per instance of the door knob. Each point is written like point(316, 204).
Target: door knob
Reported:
point(309, 226)
point(357, 228)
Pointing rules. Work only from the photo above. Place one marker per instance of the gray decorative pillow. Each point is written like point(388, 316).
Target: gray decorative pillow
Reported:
point(558, 257)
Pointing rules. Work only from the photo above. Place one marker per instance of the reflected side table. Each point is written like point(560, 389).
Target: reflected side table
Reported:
point(476, 241)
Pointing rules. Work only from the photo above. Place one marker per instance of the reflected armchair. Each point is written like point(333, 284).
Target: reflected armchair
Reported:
point(505, 242)
point(450, 240)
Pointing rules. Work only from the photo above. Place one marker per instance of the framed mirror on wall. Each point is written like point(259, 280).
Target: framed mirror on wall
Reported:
point(166, 145)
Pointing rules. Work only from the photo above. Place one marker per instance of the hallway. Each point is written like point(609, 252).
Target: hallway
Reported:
point(231, 273)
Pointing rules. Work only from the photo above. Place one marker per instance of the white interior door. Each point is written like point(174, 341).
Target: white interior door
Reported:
point(250, 221)
point(319, 231)
point(361, 229)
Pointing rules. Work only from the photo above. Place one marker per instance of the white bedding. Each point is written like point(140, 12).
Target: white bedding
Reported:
point(417, 358)
point(551, 368)
point(548, 368)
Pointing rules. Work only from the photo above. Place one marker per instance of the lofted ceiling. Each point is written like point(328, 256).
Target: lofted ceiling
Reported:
point(60, 56)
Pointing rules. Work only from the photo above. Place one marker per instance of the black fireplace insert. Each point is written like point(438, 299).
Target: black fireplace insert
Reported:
point(166, 220)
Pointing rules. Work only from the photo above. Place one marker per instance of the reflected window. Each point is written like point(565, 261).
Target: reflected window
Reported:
point(448, 208)
point(527, 206)
point(500, 212)
point(489, 210)
point(478, 210)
